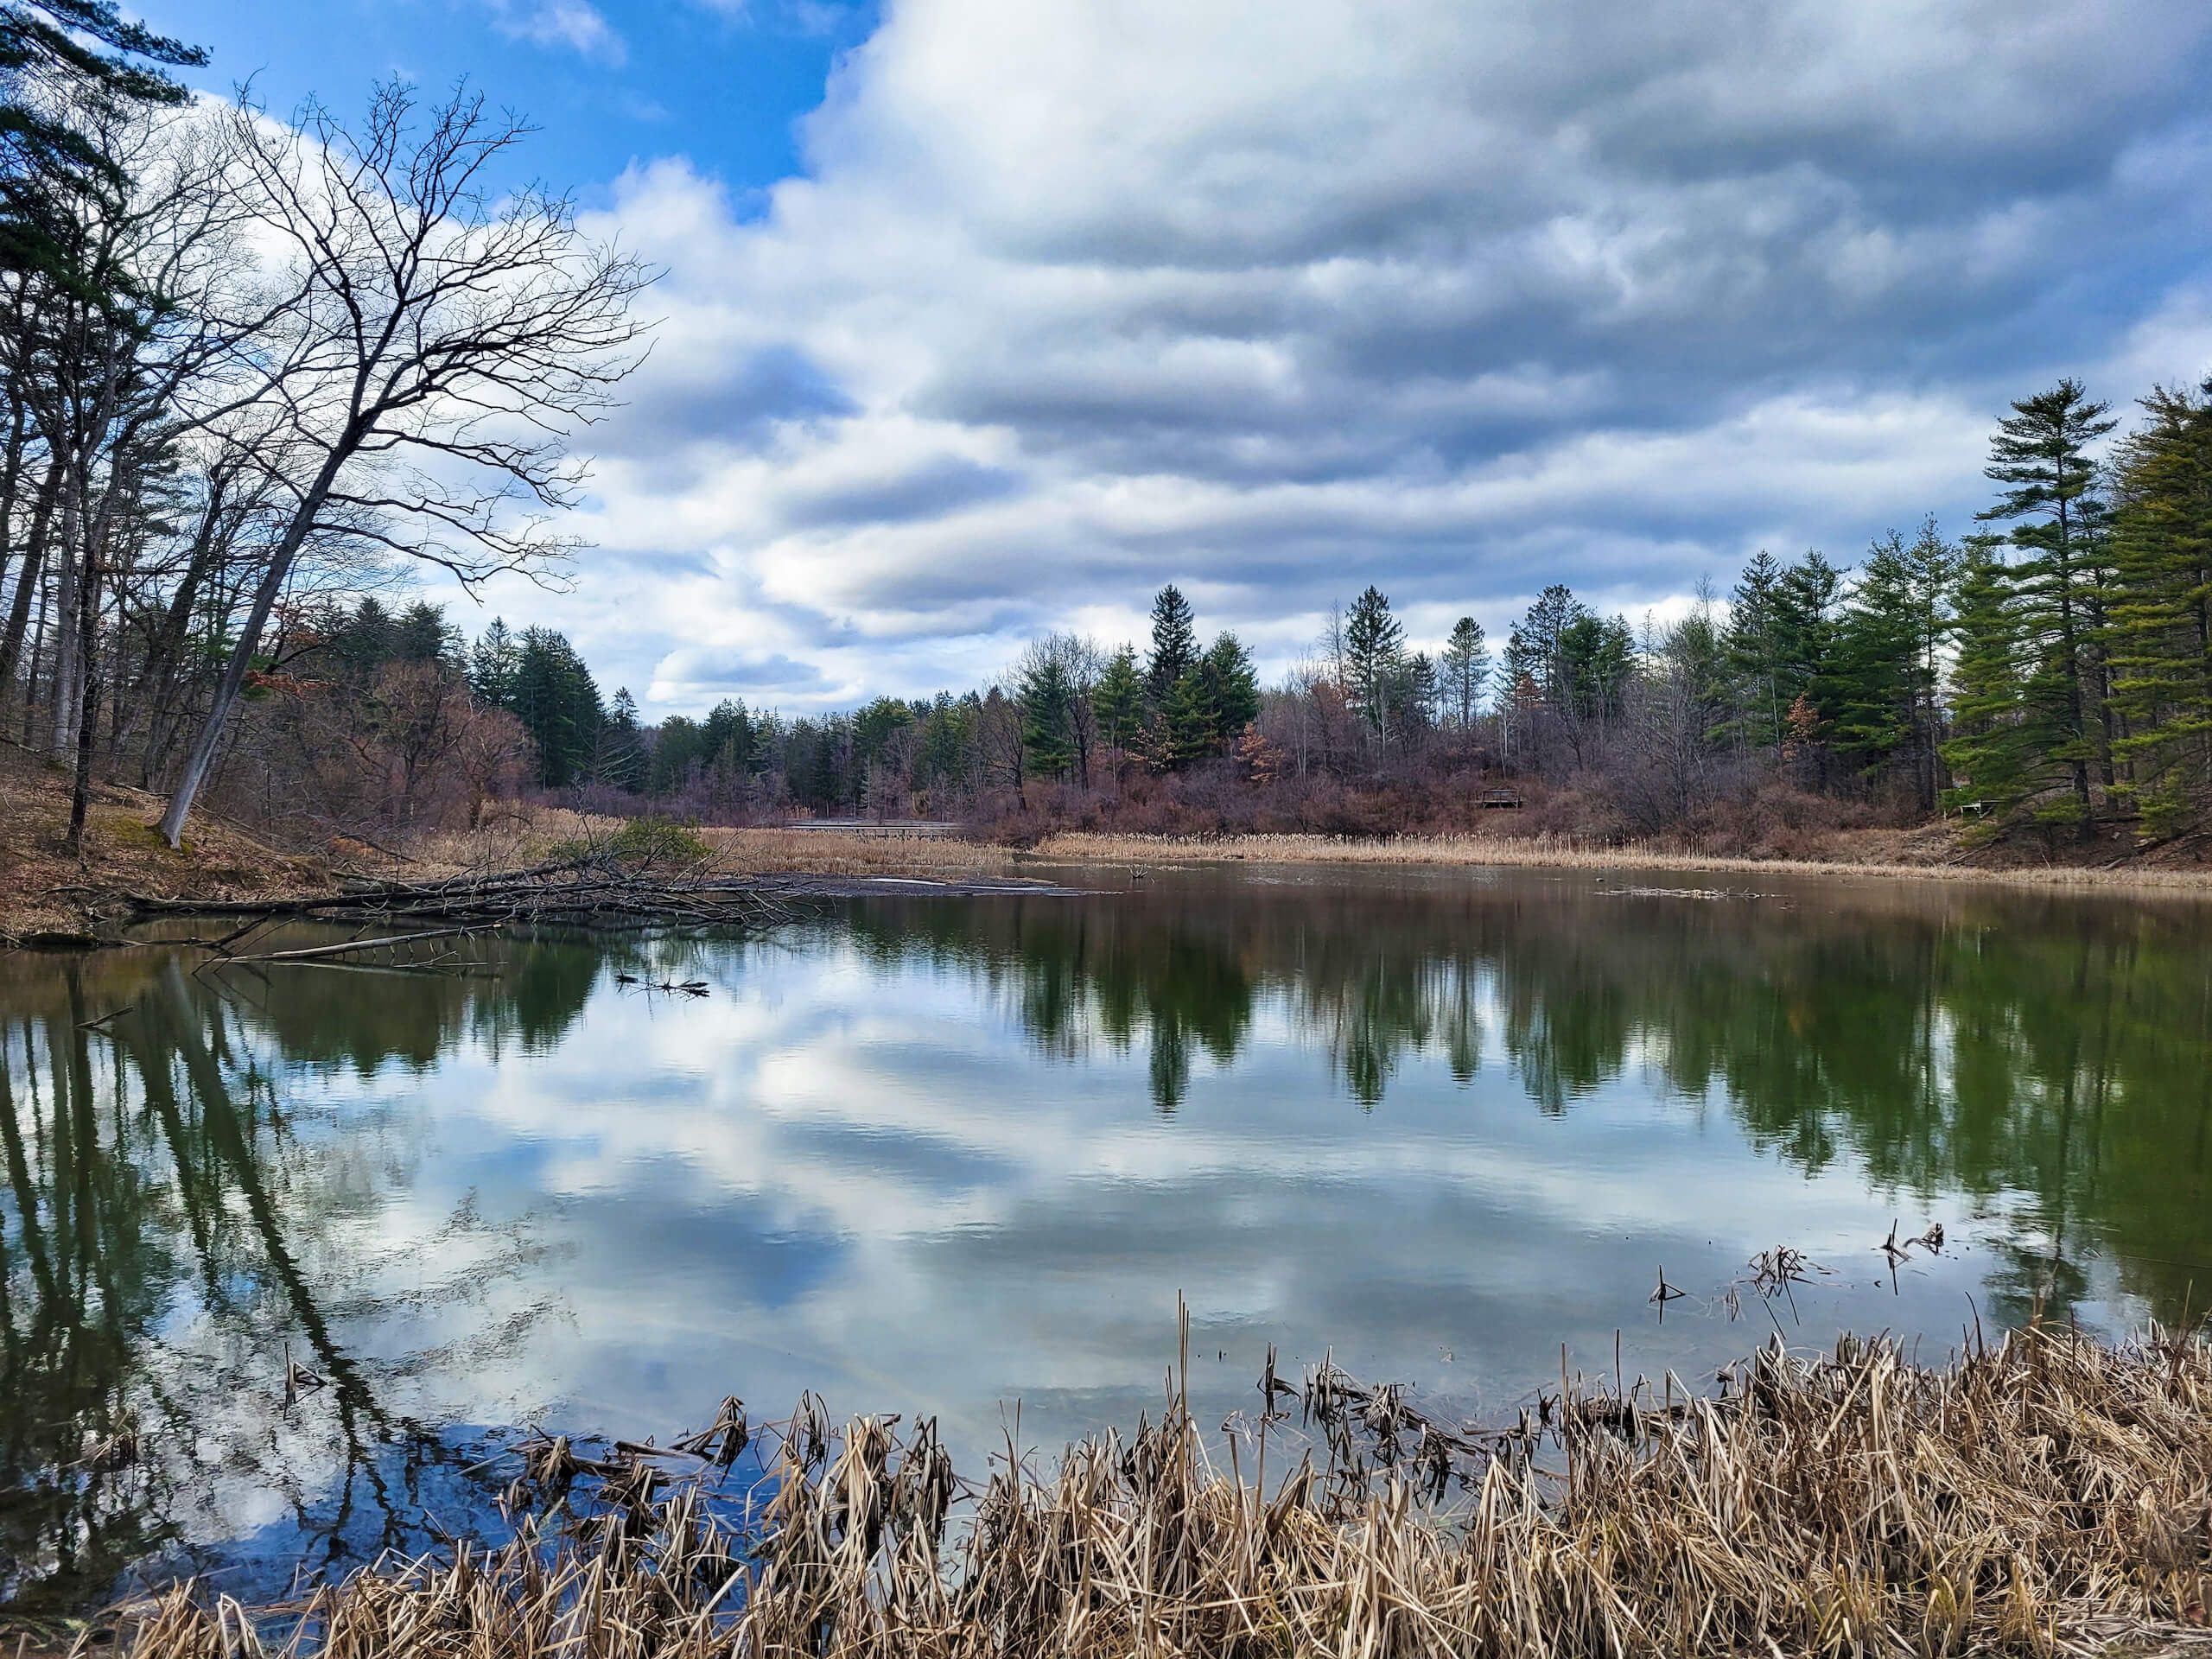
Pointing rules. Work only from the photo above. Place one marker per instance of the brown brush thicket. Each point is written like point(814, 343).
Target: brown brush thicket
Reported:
point(2048, 1493)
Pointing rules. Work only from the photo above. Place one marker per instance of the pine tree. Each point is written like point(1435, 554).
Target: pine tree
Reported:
point(1174, 646)
point(1374, 654)
point(1889, 658)
point(2160, 622)
point(875, 726)
point(1756, 654)
point(621, 759)
point(1596, 654)
point(727, 740)
point(1555, 610)
point(1048, 739)
point(368, 640)
point(1998, 750)
point(492, 663)
point(1465, 668)
point(1190, 723)
point(1807, 607)
point(2040, 455)
point(1520, 691)
point(1422, 690)
point(1694, 653)
point(1931, 576)
point(557, 702)
point(1876, 656)
point(420, 634)
point(1117, 700)
point(50, 61)
point(1231, 690)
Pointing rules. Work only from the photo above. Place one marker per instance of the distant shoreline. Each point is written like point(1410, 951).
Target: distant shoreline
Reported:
point(53, 902)
point(1508, 852)
point(770, 851)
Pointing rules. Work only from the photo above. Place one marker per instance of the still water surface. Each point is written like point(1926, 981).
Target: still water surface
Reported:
point(942, 1155)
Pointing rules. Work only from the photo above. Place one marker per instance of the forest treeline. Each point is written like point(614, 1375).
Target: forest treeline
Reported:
point(2047, 673)
point(253, 371)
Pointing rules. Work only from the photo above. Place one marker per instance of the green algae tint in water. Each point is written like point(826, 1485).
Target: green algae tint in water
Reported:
point(939, 1154)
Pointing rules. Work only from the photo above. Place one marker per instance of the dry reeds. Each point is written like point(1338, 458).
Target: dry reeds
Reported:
point(530, 835)
point(2047, 1495)
point(527, 835)
point(831, 852)
point(1551, 852)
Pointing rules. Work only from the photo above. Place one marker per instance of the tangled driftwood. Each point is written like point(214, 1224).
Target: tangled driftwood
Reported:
point(594, 889)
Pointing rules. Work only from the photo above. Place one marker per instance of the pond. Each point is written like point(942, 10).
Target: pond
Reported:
point(960, 1155)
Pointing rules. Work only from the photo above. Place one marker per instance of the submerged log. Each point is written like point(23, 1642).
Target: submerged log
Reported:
point(350, 946)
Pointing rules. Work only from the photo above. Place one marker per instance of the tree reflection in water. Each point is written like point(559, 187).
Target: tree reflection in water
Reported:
point(169, 1233)
point(201, 1169)
point(2053, 1054)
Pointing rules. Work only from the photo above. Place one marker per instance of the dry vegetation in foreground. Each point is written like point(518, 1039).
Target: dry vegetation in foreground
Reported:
point(1550, 853)
point(2047, 1495)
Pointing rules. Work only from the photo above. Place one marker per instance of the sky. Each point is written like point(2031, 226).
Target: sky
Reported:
point(984, 317)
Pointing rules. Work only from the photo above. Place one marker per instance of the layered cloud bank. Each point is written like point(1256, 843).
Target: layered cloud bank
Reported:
point(1461, 299)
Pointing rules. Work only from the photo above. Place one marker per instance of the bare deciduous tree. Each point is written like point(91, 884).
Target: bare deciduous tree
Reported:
point(429, 348)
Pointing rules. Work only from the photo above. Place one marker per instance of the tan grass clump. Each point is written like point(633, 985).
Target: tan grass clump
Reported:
point(2047, 1495)
point(837, 852)
point(531, 834)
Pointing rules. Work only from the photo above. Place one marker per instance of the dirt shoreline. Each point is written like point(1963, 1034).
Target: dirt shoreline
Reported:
point(50, 900)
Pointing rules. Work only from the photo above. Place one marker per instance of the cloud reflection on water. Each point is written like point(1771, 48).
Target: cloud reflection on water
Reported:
point(933, 1156)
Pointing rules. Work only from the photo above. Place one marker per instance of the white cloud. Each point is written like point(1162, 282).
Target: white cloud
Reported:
point(1071, 301)
point(575, 24)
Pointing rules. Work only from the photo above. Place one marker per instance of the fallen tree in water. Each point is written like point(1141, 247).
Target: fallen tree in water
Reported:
point(2047, 1495)
point(597, 887)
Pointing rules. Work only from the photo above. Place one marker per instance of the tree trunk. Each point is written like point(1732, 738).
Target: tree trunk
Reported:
point(202, 753)
point(67, 600)
point(87, 721)
point(88, 641)
point(155, 683)
point(80, 788)
point(28, 579)
point(30, 680)
point(12, 476)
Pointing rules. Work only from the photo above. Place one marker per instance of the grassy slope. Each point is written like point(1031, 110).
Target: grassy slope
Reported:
point(49, 896)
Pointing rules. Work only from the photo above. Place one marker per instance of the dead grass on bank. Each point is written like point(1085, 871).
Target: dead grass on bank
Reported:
point(829, 852)
point(2047, 1496)
point(49, 896)
point(526, 836)
point(1549, 853)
